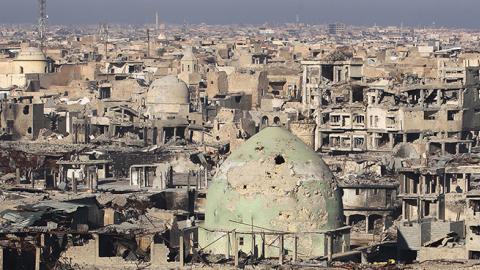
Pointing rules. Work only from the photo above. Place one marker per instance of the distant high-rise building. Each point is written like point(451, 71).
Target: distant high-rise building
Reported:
point(336, 28)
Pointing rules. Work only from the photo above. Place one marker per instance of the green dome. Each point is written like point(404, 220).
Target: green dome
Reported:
point(277, 183)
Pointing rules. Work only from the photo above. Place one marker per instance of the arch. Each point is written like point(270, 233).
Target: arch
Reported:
point(277, 121)
point(21, 70)
point(264, 121)
point(375, 223)
point(355, 219)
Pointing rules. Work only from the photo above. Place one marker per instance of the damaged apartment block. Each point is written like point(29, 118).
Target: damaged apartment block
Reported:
point(195, 145)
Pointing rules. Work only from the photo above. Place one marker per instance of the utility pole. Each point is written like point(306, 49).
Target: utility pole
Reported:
point(42, 23)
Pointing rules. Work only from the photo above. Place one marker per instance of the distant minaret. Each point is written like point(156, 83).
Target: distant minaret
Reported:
point(184, 28)
point(148, 43)
point(156, 21)
point(42, 22)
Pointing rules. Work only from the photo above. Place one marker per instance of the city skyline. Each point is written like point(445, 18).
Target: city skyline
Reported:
point(365, 12)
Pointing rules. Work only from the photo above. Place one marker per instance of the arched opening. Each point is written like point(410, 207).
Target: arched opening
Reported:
point(21, 70)
point(375, 224)
point(356, 220)
point(277, 121)
point(264, 122)
point(26, 110)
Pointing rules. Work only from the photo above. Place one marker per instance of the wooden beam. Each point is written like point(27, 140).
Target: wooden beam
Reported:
point(281, 249)
point(235, 248)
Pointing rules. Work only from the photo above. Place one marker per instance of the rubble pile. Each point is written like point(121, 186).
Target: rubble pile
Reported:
point(133, 147)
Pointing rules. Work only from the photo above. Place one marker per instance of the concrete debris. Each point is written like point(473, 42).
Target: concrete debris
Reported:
point(280, 146)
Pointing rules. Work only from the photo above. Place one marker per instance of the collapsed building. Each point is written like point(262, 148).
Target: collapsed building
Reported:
point(241, 145)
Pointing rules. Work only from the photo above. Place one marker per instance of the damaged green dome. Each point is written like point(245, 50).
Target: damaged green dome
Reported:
point(275, 182)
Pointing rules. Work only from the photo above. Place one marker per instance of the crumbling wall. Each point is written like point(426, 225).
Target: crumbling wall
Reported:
point(9, 80)
point(124, 89)
point(122, 161)
point(253, 82)
point(87, 256)
point(217, 83)
point(455, 207)
point(441, 253)
point(304, 131)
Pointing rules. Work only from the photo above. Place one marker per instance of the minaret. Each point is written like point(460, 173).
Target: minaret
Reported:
point(156, 21)
point(42, 22)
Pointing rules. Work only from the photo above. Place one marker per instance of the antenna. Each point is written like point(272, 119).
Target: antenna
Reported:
point(42, 22)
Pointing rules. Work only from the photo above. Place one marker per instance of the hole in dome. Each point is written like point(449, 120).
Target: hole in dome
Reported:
point(279, 160)
point(244, 186)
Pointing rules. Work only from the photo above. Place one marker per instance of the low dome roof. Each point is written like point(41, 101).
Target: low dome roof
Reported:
point(31, 54)
point(168, 90)
point(276, 182)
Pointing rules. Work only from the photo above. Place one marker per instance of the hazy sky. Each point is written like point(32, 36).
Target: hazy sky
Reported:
point(453, 13)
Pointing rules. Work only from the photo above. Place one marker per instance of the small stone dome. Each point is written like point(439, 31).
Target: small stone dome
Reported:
point(31, 61)
point(168, 95)
point(168, 90)
point(31, 54)
point(275, 182)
